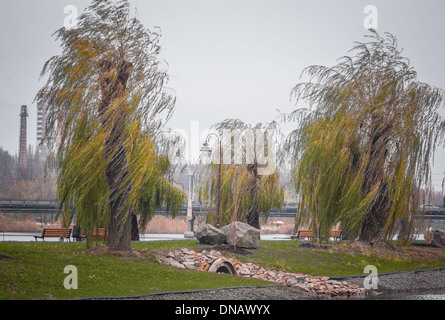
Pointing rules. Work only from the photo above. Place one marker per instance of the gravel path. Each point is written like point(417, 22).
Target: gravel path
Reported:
point(392, 282)
point(271, 292)
point(406, 281)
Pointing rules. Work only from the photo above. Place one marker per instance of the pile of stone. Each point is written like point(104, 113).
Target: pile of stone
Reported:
point(320, 285)
point(438, 238)
point(185, 258)
point(214, 261)
point(237, 234)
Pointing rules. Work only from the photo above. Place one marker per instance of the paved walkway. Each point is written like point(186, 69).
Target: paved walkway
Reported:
point(27, 237)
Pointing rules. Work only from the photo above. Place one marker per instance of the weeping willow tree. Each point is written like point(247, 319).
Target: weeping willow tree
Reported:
point(365, 150)
point(329, 176)
point(250, 183)
point(106, 100)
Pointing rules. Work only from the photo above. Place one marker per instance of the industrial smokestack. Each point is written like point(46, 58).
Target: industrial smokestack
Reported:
point(23, 156)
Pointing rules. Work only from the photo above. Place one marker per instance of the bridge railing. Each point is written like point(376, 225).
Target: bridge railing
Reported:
point(28, 203)
point(288, 210)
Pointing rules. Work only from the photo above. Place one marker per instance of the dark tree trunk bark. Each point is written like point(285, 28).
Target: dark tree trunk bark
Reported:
point(253, 216)
point(377, 214)
point(119, 226)
point(253, 219)
point(134, 228)
point(117, 170)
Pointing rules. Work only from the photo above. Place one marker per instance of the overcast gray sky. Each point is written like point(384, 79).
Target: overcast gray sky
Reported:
point(227, 58)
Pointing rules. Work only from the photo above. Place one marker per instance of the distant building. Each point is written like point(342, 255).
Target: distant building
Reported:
point(41, 127)
point(23, 155)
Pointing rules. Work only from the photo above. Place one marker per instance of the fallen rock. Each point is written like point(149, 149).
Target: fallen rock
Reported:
point(174, 263)
point(189, 265)
point(437, 238)
point(240, 234)
point(209, 234)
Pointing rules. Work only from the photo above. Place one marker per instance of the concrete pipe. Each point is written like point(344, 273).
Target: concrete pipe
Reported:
point(222, 266)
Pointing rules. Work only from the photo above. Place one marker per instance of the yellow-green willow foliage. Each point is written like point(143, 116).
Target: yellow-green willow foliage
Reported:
point(159, 192)
point(365, 150)
point(244, 192)
point(82, 185)
point(330, 177)
point(105, 88)
point(241, 193)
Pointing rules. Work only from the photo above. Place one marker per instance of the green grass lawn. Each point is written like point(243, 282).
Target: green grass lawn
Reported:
point(286, 256)
point(36, 270)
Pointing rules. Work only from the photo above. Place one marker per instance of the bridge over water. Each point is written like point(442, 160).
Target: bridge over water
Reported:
point(47, 210)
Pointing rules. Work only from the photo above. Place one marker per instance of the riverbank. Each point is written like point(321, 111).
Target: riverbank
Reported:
point(395, 285)
point(30, 270)
point(401, 283)
point(416, 281)
point(388, 285)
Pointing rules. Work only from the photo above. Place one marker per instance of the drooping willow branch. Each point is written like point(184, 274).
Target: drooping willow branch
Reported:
point(104, 93)
point(379, 126)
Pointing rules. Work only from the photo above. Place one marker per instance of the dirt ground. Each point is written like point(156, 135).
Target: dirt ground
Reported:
point(388, 251)
point(381, 250)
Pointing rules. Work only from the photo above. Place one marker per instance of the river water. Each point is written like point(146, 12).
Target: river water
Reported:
point(29, 237)
point(411, 296)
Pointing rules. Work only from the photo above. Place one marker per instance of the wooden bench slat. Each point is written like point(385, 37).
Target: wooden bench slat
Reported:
point(54, 233)
point(336, 234)
point(98, 233)
point(303, 234)
point(306, 234)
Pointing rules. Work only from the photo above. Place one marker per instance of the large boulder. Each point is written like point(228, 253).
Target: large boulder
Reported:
point(209, 234)
point(437, 238)
point(240, 234)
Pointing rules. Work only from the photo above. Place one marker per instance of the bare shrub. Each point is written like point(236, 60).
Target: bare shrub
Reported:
point(166, 225)
point(281, 226)
point(24, 223)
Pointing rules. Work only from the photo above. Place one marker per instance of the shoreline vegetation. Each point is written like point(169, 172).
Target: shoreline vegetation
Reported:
point(157, 225)
point(36, 270)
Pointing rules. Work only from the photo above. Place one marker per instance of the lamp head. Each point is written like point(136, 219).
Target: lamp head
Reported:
point(205, 147)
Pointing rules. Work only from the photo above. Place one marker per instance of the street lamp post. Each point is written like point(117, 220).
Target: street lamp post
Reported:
point(206, 148)
point(443, 193)
point(190, 218)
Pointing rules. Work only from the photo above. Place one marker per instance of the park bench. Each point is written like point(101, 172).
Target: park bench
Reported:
point(98, 233)
point(55, 233)
point(336, 234)
point(303, 234)
point(77, 233)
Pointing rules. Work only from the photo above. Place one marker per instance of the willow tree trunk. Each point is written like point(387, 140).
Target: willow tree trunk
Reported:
point(134, 228)
point(253, 216)
point(372, 229)
point(117, 171)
